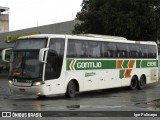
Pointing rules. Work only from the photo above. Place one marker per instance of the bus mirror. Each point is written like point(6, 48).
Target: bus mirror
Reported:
point(6, 54)
point(42, 54)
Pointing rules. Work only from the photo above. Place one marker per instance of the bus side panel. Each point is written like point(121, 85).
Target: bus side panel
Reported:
point(111, 78)
point(55, 86)
point(153, 75)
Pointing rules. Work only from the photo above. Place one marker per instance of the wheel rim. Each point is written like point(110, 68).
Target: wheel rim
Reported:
point(72, 89)
point(133, 83)
point(142, 81)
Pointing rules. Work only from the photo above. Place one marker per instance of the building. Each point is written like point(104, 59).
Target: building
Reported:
point(4, 19)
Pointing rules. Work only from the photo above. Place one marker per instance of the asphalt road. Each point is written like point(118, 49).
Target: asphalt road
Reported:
point(119, 99)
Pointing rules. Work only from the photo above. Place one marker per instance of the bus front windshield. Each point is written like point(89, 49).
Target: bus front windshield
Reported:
point(25, 63)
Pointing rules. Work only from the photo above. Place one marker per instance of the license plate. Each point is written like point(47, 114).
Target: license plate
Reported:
point(22, 90)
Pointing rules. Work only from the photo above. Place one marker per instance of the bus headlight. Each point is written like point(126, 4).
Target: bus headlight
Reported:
point(36, 83)
point(10, 82)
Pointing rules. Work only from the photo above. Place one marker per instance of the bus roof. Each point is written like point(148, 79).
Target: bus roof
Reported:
point(89, 37)
point(103, 36)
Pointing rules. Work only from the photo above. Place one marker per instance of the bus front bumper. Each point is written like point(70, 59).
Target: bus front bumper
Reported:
point(32, 90)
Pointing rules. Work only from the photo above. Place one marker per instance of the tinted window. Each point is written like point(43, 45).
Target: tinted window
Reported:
point(122, 50)
point(54, 59)
point(57, 46)
point(143, 51)
point(133, 51)
point(96, 49)
point(109, 49)
point(76, 48)
point(93, 49)
point(82, 48)
point(152, 51)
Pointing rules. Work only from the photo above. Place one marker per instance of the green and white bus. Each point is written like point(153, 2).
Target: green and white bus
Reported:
point(49, 64)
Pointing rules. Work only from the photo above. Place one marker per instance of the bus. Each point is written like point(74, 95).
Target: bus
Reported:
point(50, 64)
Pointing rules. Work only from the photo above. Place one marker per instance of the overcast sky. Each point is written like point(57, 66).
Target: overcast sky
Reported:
point(31, 13)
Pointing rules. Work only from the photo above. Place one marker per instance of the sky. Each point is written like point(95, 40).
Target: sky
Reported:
point(32, 13)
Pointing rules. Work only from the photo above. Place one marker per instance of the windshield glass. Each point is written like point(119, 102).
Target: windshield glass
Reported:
point(26, 64)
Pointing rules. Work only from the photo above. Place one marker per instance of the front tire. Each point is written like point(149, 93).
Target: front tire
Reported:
point(134, 83)
point(71, 90)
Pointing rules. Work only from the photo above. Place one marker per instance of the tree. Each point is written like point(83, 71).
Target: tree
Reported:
point(133, 19)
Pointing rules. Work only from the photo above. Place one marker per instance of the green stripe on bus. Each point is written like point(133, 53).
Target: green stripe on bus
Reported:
point(106, 64)
point(68, 64)
point(138, 63)
point(121, 74)
point(125, 63)
point(109, 64)
point(146, 63)
point(90, 64)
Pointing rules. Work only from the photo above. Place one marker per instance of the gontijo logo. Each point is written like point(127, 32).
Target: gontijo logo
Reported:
point(84, 65)
point(89, 64)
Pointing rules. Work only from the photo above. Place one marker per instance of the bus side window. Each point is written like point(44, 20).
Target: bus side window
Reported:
point(133, 48)
point(54, 59)
point(134, 54)
point(108, 49)
point(107, 54)
point(122, 50)
point(93, 49)
point(76, 48)
point(143, 51)
point(81, 49)
point(152, 51)
point(71, 49)
point(122, 54)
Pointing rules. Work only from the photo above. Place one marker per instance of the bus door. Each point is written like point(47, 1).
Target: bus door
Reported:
point(54, 65)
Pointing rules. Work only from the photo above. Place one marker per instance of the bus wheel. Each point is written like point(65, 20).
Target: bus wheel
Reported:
point(141, 82)
point(71, 90)
point(134, 83)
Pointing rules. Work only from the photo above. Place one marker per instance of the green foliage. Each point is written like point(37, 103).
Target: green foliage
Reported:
point(133, 19)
